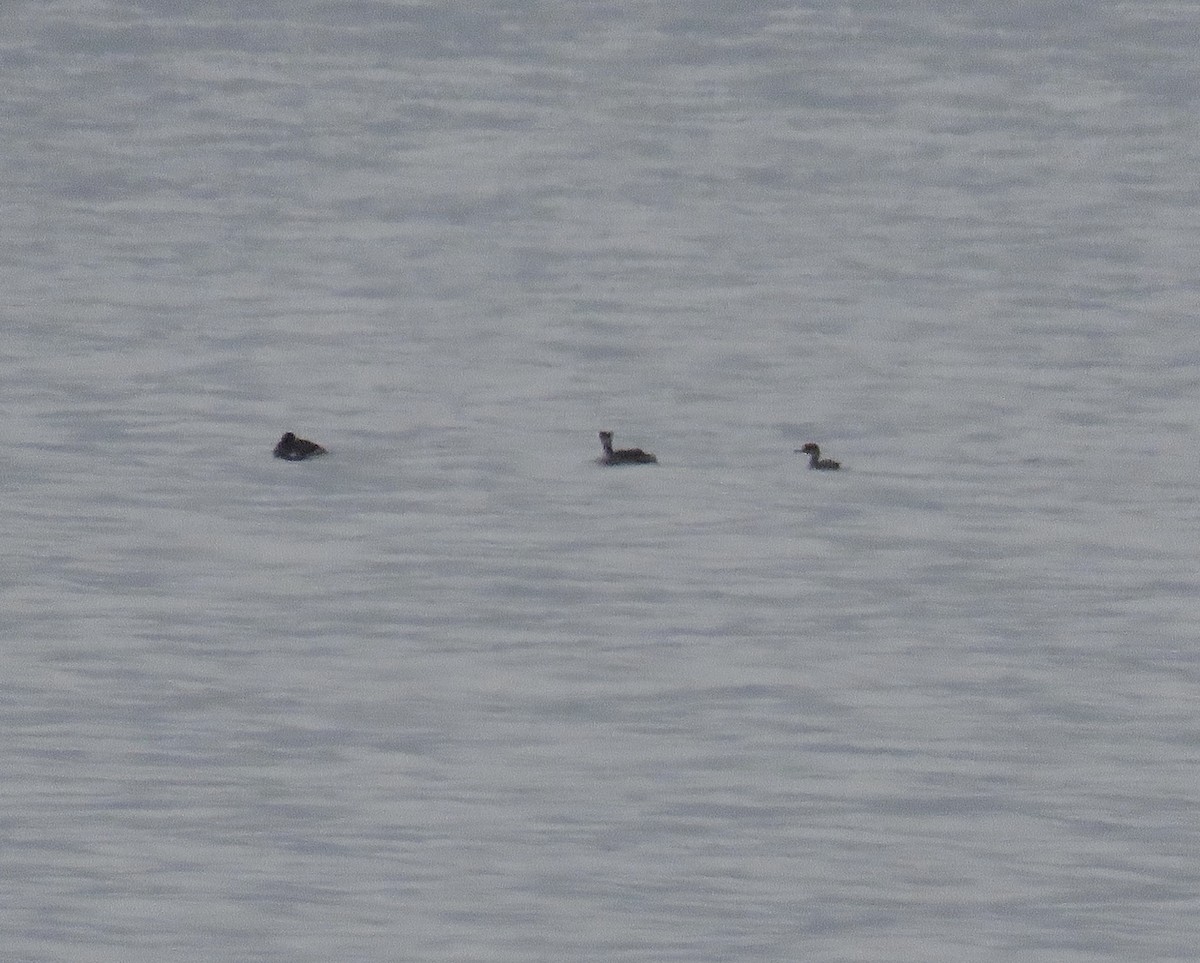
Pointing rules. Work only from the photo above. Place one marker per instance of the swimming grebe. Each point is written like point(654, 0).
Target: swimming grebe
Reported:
point(623, 456)
point(291, 448)
point(813, 450)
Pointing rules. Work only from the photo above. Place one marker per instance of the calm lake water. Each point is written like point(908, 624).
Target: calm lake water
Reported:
point(457, 693)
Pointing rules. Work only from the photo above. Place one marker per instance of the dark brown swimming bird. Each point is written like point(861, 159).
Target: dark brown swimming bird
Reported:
point(291, 448)
point(623, 456)
point(813, 450)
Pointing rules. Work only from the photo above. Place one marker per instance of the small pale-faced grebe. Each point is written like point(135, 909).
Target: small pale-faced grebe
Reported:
point(291, 448)
point(813, 450)
point(623, 456)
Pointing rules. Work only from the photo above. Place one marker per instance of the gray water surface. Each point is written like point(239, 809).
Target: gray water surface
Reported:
point(456, 693)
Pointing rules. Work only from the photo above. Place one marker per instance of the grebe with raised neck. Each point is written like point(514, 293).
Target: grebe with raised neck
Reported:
point(813, 450)
point(623, 456)
point(291, 448)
